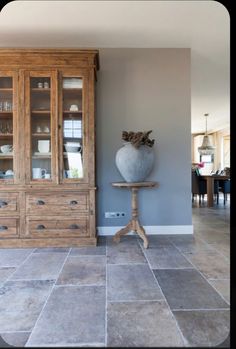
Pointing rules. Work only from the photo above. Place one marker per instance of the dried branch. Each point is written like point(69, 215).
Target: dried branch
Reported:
point(138, 138)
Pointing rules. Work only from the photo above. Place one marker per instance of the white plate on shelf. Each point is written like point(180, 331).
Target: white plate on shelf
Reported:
point(72, 83)
point(38, 153)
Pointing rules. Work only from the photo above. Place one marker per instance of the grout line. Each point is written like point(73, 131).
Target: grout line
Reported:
point(136, 300)
point(88, 255)
point(73, 345)
point(185, 342)
point(213, 279)
point(206, 309)
point(14, 332)
point(126, 263)
point(49, 294)
point(19, 280)
point(17, 267)
point(81, 285)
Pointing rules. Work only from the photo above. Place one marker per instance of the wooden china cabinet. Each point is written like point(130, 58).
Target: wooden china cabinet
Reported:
point(47, 147)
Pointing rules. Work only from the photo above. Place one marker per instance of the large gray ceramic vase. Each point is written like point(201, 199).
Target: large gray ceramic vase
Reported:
point(134, 164)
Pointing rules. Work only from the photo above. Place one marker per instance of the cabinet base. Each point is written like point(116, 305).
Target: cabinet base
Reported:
point(60, 242)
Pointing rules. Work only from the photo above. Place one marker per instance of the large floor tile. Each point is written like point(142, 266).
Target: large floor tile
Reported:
point(126, 251)
point(223, 287)
point(141, 324)
point(41, 266)
point(210, 263)
point(187, 289)
point(166, 257)
point(156, 241)
point(83, 270)
point(207, 328)
point(52, 249)
point(5, 273)
point(88, 251)
point(72, 316)
point(187, 243)
point(131, 282)
point(222, 247)
point(17, 339)
point(12, 257)
point(213, 235)
point(21, 303)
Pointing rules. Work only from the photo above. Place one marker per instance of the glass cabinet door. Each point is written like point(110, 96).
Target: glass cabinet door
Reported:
point(72, 137)
point(41, 119)
point(7, 125)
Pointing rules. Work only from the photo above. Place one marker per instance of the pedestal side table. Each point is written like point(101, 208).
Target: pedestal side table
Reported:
point(133, 224)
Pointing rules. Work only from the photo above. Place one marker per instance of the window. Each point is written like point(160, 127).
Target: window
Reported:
point(207, 158)
point(72, 129)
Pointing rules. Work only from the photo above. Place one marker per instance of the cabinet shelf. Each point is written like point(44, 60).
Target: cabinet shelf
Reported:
point(6, 135)
point(6, 89)
point(6, 114)
point(72, 112)
point(41, 134)
point(6, 156)
point(73, 89)
point(40, 112)
point(36, 89)
point(37, 155)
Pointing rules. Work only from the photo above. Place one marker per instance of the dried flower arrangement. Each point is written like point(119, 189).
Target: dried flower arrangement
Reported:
point(138, 138)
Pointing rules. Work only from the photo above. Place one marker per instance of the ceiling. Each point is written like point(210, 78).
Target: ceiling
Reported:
point(202, 26)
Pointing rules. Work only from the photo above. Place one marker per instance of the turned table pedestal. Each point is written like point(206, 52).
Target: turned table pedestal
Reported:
point(133, 224)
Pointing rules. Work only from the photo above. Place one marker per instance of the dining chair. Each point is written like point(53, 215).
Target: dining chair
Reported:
point(199, 187)
point(224, 187)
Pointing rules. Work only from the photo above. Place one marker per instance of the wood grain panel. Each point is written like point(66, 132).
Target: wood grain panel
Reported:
point(8, 227)
point(60, 227)
point(8, 202)
point(56, 203)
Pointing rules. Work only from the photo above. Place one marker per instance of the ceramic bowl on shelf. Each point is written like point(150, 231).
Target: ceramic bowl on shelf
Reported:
point(72, 147)
point(7, 148)
point(74, 107)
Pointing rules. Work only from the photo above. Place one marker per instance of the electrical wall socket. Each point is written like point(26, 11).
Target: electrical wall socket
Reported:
point(114, 214)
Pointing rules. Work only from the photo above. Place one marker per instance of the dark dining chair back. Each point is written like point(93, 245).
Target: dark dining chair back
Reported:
point(199, 186)
point(224, 187)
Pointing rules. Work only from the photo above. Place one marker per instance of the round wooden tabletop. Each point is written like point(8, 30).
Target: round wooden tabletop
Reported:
point(134, 184)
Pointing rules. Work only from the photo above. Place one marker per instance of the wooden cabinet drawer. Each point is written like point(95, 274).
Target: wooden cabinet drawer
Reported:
point(57, 227)
point(9, 227)
point(50, 204)
point(8, 202)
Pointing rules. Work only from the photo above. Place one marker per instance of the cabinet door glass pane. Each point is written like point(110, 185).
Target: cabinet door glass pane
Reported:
point(40, 101)
point(6, 128)
point(72, 88)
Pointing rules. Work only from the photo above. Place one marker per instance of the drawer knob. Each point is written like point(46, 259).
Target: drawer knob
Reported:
point(3, 203)
point(73, 226)
point(3, 227)
point(40, 227)
point(73, 202)
point(40, 202)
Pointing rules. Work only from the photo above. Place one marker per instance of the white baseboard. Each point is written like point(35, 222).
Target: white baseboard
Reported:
point(151, 230)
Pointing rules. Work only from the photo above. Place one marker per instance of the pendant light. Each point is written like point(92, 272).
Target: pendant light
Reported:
point(206, 147)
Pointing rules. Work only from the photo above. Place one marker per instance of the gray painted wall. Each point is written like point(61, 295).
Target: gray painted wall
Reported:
point(141, 90)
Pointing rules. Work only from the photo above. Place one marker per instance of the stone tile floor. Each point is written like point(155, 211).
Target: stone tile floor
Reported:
point(174, 294)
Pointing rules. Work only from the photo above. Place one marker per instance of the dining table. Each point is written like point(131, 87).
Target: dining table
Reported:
point(210, 186)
